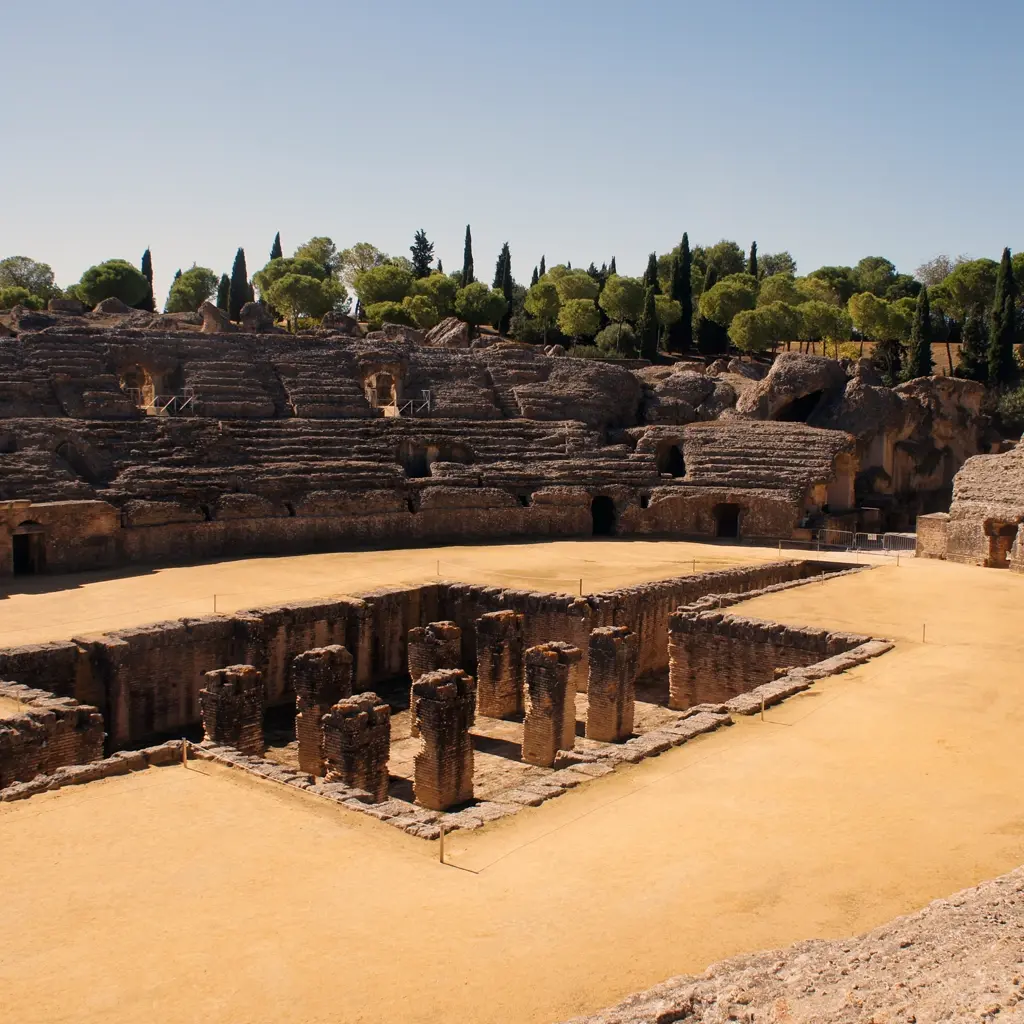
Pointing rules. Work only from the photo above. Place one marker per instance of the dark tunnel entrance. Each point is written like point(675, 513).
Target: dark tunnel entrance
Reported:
point(602, 512)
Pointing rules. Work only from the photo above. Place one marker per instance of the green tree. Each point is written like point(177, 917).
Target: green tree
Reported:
point(874, 274)
point(680, 337)
point(611, 267)
point(298, 295)
point(543, 267)
point(114, 279)
point(726, 257)
point(752, 262)
point(543, 304)
point(842, 282)
point(380, 313)
point(467, 260)
point(191, 290)
point(919, 357)
point(147, 302)
point(1003, 370)
point(277, 269)
point(725, 299)
point(239, 294)
point(871, 316)
point(819, 289)
point(622, 299)
point(887, 358)
point(751, 331)
point(968, 290)
point(576, 284)
point(821, 321)
point(361, 256)
point(650, 277)
point(223, 292)
point(423, 312)
point(499, 267)
point(779, 288)
point(648, 325)
point(776, 263)
point(477, 304)
point(903, 286)
point(579, 318)
point(506, 285)
point(17, 296)
point(386, 283)
point(783, 322)
point(669, 313)
point(617, 339)
point(972, 363)
point(321, 250)
point(36, 278)
point(276, 252)
point(422, 254)
point(439, 290)
point(535, 278)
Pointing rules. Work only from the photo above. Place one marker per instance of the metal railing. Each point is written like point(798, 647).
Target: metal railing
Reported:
point(163, 405)
point(408, 407)
point(874, 543)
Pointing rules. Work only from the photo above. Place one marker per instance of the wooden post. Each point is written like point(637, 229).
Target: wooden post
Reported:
point(762, 708)
point(184, 753)
point(214, 604)
point(441, 851)
point(581, 587)
point(924, 626)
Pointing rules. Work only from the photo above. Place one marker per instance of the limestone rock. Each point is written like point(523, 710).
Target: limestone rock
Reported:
point(752, 371)
point(215, 319)
point(397, 332)
point(255, 319)
point(793, 377)
point(449, 333)
point(555, 350)
point(65, 306)
point(336, 323)
point(112, 305)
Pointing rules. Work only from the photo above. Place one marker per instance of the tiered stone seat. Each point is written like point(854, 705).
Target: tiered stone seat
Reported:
point(81, 377)
point(25, 388)
point(322, 383)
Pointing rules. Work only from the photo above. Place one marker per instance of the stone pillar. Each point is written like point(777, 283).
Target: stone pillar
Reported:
point(231, 706)
point(429, 648)
point(357, 741)
point(611, 688)
point(550, 702)
point(320, 677)
point(444, 705)
point(499, 664)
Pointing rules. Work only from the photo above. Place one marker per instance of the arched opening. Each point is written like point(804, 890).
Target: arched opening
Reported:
point(602, 513)
point(524, 500)
point(727, 520)
point(645, 501)
point(1000, 540)
point(670, 460)
point(138, 384)
point(799, 409)
point(28, 549)
point(414, 460)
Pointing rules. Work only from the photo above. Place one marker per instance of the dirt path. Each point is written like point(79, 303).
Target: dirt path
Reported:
point(204, 896)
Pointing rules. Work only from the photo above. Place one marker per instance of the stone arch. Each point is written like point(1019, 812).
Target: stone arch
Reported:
point(669, 459)
point(138, 383)
point(1000, 534)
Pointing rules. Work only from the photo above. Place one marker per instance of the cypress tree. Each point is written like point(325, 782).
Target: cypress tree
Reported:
point(972, 362)
point(276, 252)
point(1002, 366)
point(177, 274)
point(148, 302)
point(752, 262)
point(239, 292)
point(649, 326)
point(593, 272)
point(611, 267)
point(467, 260)
point(651, 274)
point(919, 358)
point(499, 267)
point(251, 293)
point(535, 278)
point(710, 278)
point(568, 265)
point(440, 269)
point(680, 334)
point(507, 286)
point(223, 292)
point(543, 269)
point(422, 254)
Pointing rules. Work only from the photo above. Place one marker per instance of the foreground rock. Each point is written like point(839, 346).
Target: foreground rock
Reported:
point(959, 959)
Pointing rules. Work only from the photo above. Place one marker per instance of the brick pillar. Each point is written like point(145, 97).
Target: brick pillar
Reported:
point(499, 664)
point(320, 677)
point(550, 702)
point(444, 705)
point(434, 646)
point(231, 705)
point(611, 688)
point(357, 741)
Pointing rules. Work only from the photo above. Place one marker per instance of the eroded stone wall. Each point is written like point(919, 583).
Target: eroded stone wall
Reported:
point(932, 535)
point(550, 726)
point(356, 743)
point(714, 656)
point(444, 709)
point(499, 664)
point(611, 688)
point(231, 704)
point(320, 677)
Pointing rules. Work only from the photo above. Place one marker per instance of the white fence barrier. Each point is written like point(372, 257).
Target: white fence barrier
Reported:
point(873, 543)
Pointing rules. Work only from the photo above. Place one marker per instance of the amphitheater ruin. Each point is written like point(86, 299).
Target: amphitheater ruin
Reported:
point(415, 709)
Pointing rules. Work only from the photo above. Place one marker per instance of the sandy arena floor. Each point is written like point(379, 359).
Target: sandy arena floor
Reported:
point(196, 895)
point(55, 608)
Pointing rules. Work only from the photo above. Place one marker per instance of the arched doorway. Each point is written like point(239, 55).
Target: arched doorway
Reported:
point(1000, 540)
point(727, 520)
point(670, 460)
point(28, 549)
point(602, 513)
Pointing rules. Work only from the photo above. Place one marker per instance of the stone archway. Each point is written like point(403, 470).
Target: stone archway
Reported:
point(28, 549)
point(727, 520)
point(1000, 535)
point(603, 517)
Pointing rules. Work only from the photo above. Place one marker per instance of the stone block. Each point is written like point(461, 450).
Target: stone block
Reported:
point(231, 705)
point(357, 742)
point(444, 708)
point(320, 677)
point(550, 723)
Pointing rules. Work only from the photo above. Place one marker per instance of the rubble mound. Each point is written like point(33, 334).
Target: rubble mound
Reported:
point(793, 388)
point(958, 959)
point(449, 333)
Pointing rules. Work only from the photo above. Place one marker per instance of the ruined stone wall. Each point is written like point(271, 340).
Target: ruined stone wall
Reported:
point(714, 656)
point(932, 535)
point(550, 670)
point(611, 687)
point(356, 743)
point(320, 677)
point(77, 535)
point(40, 732)
point(444, 709)
point(231, 704)
point(499, 664)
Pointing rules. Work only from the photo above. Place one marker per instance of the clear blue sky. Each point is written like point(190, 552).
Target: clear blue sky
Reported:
point(580, 129)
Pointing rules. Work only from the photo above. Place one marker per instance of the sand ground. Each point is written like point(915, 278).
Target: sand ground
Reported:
point(195, 894)
point(55, 608)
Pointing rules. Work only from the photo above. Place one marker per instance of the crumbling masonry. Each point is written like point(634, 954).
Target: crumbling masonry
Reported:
point(499, 664)
point(431, 647)
point(550, 702)
point(356, 743)
point(611, 689)
point(444, 704)
point(231, 705)
point(320, 677)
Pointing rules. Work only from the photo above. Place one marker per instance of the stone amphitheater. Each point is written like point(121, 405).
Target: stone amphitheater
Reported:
point(523, 771)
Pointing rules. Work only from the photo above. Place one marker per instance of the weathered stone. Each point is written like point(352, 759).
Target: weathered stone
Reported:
point(444, 704)
point(357, 741)
point(320, 677)
point(112, 305)
point(231, 705)
point(215, 320)
point(550, 723)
